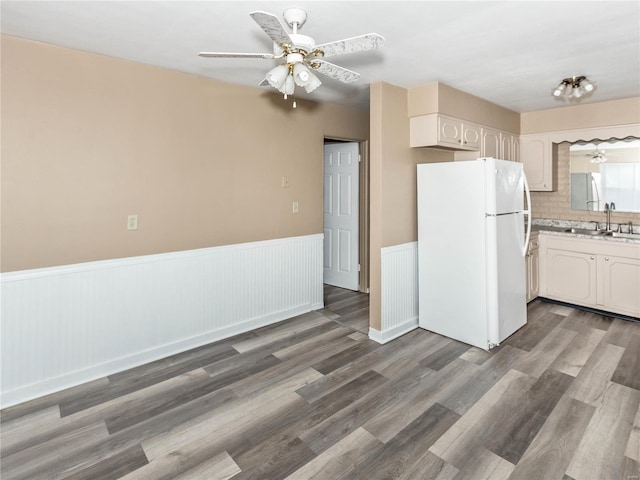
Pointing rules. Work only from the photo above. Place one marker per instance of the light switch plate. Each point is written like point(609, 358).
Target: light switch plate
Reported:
point(294, 208)
point(132, 222)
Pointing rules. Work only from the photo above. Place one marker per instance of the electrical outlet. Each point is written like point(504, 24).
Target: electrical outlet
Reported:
point(285, 182)
point(132, 222)
point(294, 207)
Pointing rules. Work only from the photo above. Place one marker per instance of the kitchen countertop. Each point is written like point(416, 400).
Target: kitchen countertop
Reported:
point(559, 227)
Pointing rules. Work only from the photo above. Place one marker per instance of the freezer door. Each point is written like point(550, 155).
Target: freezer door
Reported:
point(507, 305)
point(504, 186)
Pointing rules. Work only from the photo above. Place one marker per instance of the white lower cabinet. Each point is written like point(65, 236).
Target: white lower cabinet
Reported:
point(620, 283)
point(571, 276)
point(593, 273)
point(533, 282)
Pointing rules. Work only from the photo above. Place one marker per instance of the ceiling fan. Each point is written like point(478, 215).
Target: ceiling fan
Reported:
point(598, 156)
point(300, 53)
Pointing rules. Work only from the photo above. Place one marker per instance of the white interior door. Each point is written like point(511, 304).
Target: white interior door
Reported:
point(341, 225)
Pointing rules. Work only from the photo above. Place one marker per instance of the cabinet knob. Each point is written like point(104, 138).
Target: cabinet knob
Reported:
point(592, 257)
point(606, 259)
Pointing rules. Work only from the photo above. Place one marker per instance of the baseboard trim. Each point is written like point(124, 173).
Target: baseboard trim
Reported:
point(386, 336)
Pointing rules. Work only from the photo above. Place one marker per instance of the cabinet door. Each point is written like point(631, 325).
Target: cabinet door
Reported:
point(471, 136)
point(515, 148)
point(571, 277)
point(505, 146)
point(491, 144)
point(449, 131)
point(619, 284)
point(536, 157)
point(533, 272)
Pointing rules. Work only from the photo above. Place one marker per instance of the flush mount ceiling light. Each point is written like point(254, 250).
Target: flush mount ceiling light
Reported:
point(300, 53)
point(574, 88)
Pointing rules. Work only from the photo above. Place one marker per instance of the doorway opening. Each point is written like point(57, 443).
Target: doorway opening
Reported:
point(346, 214)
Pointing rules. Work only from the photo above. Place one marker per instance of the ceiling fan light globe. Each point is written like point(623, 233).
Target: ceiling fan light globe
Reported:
point(277, 76)
point(313, 83)
point(587, 86)
point(560, 89)
point(289, 85)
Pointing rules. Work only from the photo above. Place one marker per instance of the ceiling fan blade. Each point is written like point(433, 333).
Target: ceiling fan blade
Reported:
point(368, 41)
point(334, 71)
point(272, 27)
point(264, 83)
point(236, 55)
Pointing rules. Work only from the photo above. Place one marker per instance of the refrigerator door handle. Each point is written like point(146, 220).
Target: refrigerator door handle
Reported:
point(527, 212)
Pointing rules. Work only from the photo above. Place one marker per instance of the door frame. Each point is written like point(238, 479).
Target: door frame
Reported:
point(363, 206)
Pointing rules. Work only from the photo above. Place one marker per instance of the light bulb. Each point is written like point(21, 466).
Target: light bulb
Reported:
point(301, 74)
point(588, 86)
point(313, 83)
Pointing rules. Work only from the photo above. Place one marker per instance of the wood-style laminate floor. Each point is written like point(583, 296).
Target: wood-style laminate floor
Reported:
point(314, 398)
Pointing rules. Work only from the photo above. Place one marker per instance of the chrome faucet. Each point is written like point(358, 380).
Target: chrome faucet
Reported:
point(607, 209)
point(597, 225)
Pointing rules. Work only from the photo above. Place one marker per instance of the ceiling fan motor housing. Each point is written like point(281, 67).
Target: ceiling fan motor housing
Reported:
point(303, 42)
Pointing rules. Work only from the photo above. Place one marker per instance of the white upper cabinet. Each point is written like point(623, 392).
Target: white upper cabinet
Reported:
point(470, 140)
point(491, 145)
point(509, 147)
point(437, 130)
point(537, 159)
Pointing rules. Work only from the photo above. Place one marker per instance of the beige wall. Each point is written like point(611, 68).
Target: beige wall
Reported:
point(440, 98)
point(87, 140)
point(557, 205)
point(575, 117)
point(393, 179)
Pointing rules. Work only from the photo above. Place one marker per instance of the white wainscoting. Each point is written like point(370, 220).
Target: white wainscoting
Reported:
point(399, 309)
point(63, 326)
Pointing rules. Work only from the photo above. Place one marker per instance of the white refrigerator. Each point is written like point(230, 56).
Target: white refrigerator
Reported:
point(471, 249)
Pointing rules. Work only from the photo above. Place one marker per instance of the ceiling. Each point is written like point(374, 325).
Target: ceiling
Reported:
point(512, 53)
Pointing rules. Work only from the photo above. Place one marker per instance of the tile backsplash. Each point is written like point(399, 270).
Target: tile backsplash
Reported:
point(557, 205)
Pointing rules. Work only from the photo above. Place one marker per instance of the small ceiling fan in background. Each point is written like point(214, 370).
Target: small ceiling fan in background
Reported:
point(598, 156)
point(302, 57)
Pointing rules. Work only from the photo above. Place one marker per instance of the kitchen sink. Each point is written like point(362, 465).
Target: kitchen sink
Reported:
point(634, 236)
point(586, 231)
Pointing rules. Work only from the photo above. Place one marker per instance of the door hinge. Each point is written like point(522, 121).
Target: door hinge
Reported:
point(359, 158)
point(358, 267)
